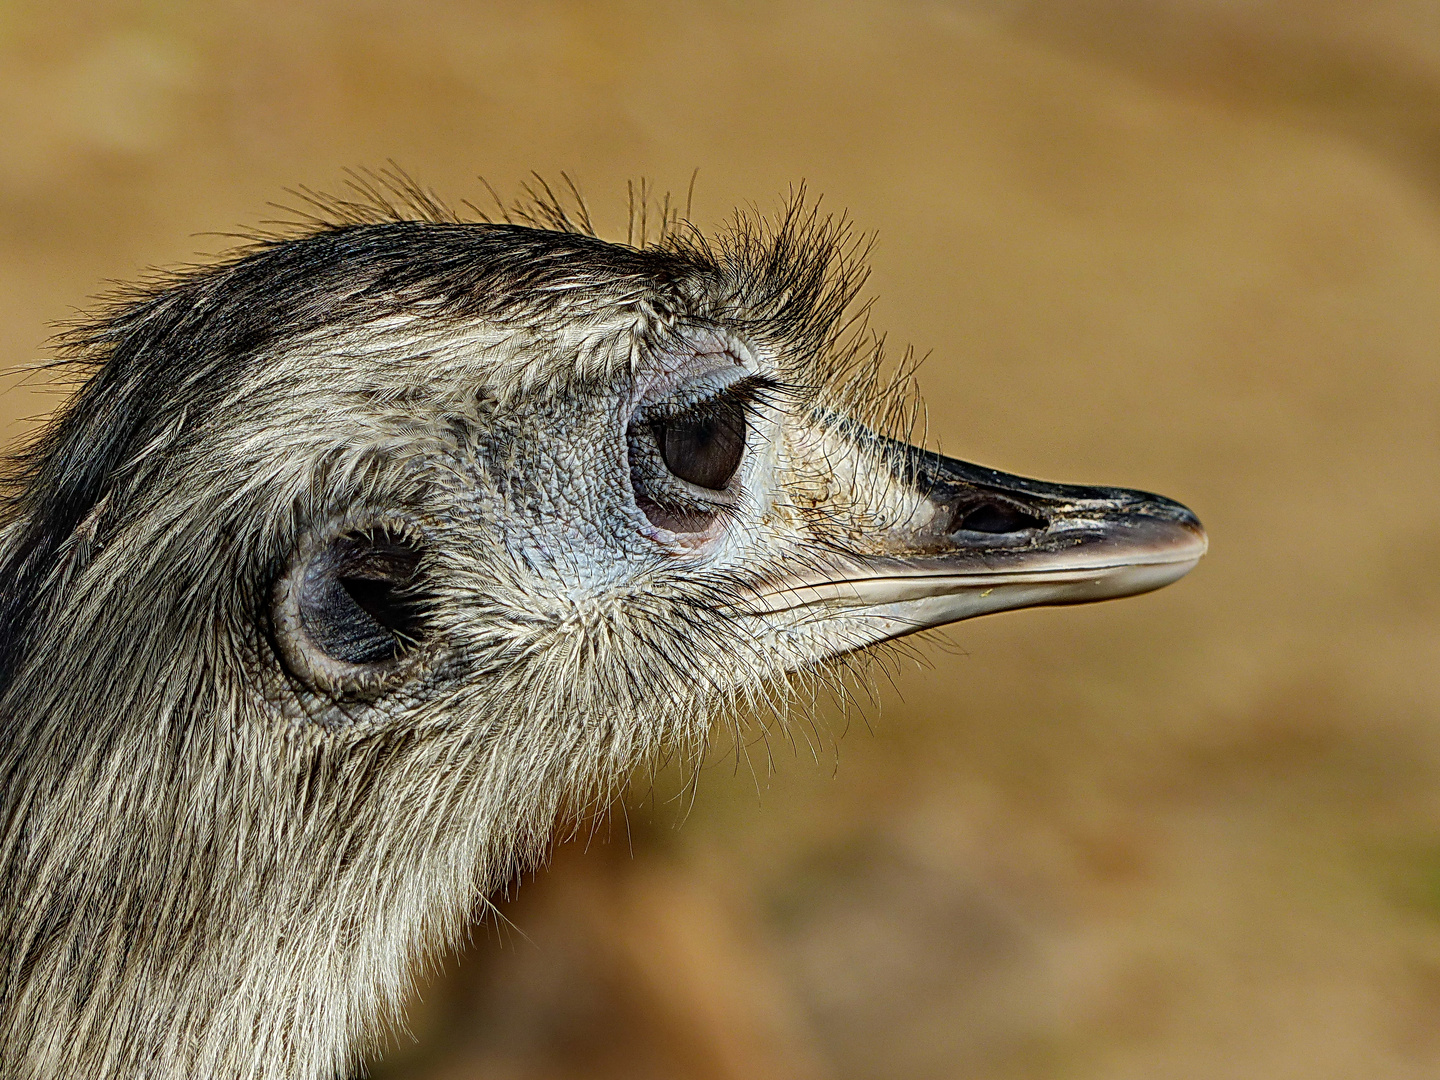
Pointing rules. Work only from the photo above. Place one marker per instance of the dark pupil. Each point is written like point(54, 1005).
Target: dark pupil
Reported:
point(704, 447)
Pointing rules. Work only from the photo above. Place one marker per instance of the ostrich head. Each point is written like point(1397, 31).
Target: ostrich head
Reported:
point(360, 559)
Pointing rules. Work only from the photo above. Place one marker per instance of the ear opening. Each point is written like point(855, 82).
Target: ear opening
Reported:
point(359, 600)
point(352, 609)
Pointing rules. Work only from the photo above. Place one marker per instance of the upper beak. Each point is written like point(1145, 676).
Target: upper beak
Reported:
point(978, 541)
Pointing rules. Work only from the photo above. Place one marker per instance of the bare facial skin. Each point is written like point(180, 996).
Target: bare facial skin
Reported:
point(362, 559)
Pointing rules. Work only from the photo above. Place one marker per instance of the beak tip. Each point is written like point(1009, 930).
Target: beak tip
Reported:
point(1191, 533)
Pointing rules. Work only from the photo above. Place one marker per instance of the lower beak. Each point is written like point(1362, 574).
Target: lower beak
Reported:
point(992, 542)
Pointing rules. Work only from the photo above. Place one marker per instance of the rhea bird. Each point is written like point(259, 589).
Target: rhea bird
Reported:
point(364, 557)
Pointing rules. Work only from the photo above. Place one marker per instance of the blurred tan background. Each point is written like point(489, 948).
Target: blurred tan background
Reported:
point(1185, 245)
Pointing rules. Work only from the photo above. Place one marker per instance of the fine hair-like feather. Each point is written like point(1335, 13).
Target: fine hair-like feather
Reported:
point(365, 558)
point(210, 867)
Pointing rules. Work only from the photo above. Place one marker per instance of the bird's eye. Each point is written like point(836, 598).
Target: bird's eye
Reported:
point(704, 445)
point(357, 602)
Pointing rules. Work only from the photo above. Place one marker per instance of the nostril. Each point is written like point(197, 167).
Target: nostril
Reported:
point(995, 518)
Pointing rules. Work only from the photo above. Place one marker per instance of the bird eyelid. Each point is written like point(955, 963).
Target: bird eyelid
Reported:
point(692, 356)
point(753, 393)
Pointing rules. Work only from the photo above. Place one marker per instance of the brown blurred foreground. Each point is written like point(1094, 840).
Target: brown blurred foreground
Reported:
point(1191, 246)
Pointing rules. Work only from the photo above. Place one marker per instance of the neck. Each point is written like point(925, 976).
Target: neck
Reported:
point(227, 906)
point(196, 879)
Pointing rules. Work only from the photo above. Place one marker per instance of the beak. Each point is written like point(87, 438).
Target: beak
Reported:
point(974, 540)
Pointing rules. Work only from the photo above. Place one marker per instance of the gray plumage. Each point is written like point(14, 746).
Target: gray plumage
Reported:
point(364, 558)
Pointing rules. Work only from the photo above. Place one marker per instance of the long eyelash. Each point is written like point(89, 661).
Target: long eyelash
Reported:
point(757, 392)
point(754, 393)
